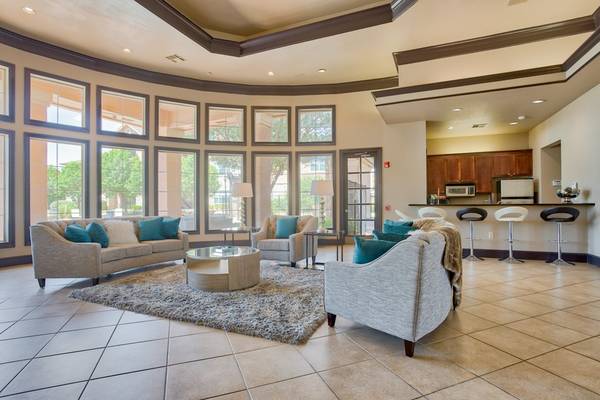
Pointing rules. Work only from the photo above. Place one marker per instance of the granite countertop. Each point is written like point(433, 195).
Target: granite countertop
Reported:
point(501, 205)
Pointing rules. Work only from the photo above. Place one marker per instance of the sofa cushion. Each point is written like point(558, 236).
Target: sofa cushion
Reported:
point(97, 233)
point(390, 237)
point(151, 229)
point(398, 227)
point(77, 233)
point(120, 231)
point(135, 250)
point(160, 246)
point(285, 227)
point(112, 253)
point(274, 244)
point(170, 227)
point(366, 250)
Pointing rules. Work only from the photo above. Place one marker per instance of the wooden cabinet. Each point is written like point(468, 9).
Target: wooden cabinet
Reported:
point(523, 164)
point(503, 164)
point(484, 165)
point(436, 175)
point(467, 169)
point(460, 169)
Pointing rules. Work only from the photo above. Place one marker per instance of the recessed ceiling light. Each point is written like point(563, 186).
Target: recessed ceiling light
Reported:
point(28, 10)
point(126, 50)
point(538, 101)
point(521, 117)
point(457, 109)
point(450, 128)
point(270, 73)
point(513, 123)
point(321, 70)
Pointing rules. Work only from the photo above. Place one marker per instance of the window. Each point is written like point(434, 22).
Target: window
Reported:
point(311, 167)
point(222, 170)
point(56, 174)
point(315, 125)
point(56, 102)
point(122, 113)
point(176, 119)
point(122, 180)
point(270, 176)
point(7, 92)
point(225, 124)
point(271, 125)
point(177, 186)
point(6, 189)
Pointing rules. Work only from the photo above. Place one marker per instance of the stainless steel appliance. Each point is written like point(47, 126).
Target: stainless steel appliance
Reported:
point(515, 190)
point(460, 190)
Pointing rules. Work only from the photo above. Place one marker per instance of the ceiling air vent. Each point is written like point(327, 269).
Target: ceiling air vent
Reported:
point(479, 125)
point(175, 58)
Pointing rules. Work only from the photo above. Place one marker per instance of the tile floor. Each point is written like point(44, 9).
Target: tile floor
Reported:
point(525, 332)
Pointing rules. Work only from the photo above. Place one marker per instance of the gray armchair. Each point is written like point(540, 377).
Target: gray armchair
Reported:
point(289, 250)
point(406, 292)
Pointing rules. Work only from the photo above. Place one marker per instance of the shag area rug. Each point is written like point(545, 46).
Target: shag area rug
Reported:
point(287, 305)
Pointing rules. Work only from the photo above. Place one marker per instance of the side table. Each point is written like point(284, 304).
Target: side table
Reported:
point(232, 231)
point(309, 243)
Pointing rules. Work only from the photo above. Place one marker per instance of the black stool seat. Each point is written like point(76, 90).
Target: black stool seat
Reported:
point(471, 214)
point(557, 214)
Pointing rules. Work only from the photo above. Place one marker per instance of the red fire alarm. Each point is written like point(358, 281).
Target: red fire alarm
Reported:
point(387, 164)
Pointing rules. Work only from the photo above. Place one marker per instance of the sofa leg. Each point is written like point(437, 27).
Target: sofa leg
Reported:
point(95, 281)
point(331, 319)
point(409, 348)
point(42, 282)
point(293, 264)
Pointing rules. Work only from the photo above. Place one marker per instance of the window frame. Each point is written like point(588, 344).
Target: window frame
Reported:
point(100, 131)
point(256, 154)
point(333, 154)
point(331, 142)
point(158, 149)
point(27, 106)
point(157, 100)
point(10, 185)
point(10, 117)
point(207, 229)
point(207, 140)
point(27, 136)
point(254, 109)
point(146, 191)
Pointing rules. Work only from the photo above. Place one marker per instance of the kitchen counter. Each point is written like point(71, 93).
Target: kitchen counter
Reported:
point(502, 205)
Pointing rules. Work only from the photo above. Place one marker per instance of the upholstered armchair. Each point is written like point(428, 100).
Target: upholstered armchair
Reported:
point(290, 250)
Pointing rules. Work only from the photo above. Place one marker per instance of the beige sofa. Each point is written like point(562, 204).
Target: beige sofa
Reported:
point(56, 257)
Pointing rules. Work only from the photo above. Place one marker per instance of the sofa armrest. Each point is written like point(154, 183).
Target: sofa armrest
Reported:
point(55, 257)
point(260, 235)
point(185, 238)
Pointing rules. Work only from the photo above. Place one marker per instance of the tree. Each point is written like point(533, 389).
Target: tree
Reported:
point(225, 133)
point(65, 186)
point(122, 178)
point(315, 126)
point(188, 181)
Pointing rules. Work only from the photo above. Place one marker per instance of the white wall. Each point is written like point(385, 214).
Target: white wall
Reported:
point(577, 126)
point(474, 144)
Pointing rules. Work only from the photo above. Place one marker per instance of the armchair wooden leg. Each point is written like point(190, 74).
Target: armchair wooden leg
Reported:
point(95, 281)
point(293, 264)
point(409, 348)
point(331, 319)
point(42, 282)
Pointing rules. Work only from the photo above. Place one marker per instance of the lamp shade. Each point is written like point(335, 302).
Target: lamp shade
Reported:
point(241, 189)
point(321, 188)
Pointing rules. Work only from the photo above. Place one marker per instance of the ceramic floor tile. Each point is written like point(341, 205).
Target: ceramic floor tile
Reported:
point(570, 294)
point(31, 327)
point(178, 328)
point(495, 314)
point(198, 347)
point(586, 310)
point(524, 307)
point(546, 331)
point(93, 320)
point(242, 343)
point(272, 364)
point(140, 331)
point(475, 389)
point(131, 317)
point(132, 357)
point(85, 339)
point(440, 333)
point(554, 302)
point(572, 321)
point(376, 342)
point(332, 351)
point(53, 310)
point(572, 366)
point(54, 370)
point(513, 342)
point(93, 307)
point(64, 392)
point(367, 380)
point(467, 323)
point(589, 347)
point(467, 301)
point(22, 348)
point(341, 325)
point(507, 290)
point(309, 387)
point(8, 371)
point(146, 385)
point(14, 314)
point(202, 379)
point(243, 395)
point(484, 295)
point(527, 382)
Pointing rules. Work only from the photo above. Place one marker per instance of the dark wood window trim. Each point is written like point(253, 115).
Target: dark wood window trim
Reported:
point(26, 174)
point(333, 125)
point(99, 147)
point(100, 131)
point(158, 149)
point(333, 155)
point(207, 153)
point(254, 109)
point(378, 191)
point(256, 154)
point(10, 117)
point(10, 186)
point(27, 98)
point(208, 106)
point(157, 101)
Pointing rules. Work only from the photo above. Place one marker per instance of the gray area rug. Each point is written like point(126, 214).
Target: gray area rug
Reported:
point(287, 305)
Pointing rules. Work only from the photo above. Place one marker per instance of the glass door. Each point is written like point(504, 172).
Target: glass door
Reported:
point(361, 191)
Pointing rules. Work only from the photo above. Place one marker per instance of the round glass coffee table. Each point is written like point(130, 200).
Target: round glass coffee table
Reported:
point(222, 268)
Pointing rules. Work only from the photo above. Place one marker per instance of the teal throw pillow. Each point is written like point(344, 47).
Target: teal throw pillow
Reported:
point(366, 250)
point(98, 234)
point(286, 226)
point(170, 227)
point(77, 233)
point(398, 227)
point(151, 229)
point(390, 237)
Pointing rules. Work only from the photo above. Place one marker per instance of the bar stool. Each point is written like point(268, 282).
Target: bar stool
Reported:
point(471, 214)
point(511, 215)
point(432, 212)
point(559, 215)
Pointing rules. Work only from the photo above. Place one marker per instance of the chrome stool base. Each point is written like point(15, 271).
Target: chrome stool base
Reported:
point(559, 261)
point(472, 257)
point(511, 260)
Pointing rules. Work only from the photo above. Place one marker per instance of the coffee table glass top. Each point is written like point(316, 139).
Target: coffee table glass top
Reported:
point(220, 252)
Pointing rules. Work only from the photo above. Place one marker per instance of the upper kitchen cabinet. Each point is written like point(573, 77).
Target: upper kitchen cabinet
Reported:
point(484, 165)
point(513, 163)
point(436, 175)
point(524, 163)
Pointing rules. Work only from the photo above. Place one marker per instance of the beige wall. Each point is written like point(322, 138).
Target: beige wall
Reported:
point(473, 144)
point(359, 125)
point(577, 128)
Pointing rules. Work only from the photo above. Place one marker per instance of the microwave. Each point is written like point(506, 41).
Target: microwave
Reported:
point(460, 190)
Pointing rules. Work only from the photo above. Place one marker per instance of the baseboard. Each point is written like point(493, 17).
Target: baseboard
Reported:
point(16, 260)
point(531, 255)
point(594, 260)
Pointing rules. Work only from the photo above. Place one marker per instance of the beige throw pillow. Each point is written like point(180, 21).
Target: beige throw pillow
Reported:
point(120, 232)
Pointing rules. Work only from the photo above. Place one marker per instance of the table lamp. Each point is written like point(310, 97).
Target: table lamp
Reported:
point(322, 189)
point(242, 190)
